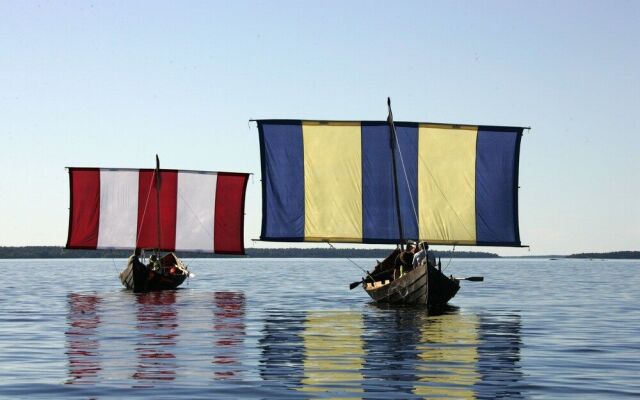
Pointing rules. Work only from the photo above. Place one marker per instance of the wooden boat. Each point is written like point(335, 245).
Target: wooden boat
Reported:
point(423, 285)
point(161, 210)
point(141, 277)
point(382, 182)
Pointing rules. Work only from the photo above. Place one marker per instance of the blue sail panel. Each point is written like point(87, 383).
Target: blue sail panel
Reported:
point(497, 186)
point(281, 151)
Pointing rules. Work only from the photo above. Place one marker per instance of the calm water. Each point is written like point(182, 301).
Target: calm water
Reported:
point(291, 329)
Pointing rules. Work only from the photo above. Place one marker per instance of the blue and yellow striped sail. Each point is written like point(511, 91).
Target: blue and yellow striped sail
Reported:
point(333, 181)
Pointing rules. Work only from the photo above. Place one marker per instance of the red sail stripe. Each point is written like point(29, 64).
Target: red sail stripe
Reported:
point(84, 215)
point(229, 213)
point(147, 227)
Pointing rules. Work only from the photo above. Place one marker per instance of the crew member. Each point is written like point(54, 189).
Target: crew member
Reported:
point(421, 255)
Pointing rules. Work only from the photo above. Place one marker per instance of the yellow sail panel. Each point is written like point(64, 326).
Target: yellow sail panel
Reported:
point(332, 181)
point(446, 184)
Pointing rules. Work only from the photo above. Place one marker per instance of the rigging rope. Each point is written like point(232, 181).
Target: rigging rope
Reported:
point(113, 262)
point(450, 258)
point(352, 262)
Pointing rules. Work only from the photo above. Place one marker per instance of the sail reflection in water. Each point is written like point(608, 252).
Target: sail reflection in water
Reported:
point(229, 332)
point(282, 347)
point(391, 337)
point(448, 352)
point(82, 340)
point(333, 352)
point(448, 355)
point(157, 325)
point(402, 351)
point(499, 356)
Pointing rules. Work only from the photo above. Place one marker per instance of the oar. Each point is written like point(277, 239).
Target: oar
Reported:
point(470, 278)
point(355, 284)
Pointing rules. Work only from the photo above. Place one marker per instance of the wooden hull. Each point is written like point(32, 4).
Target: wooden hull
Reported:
point(424, 285)
point(139, 278)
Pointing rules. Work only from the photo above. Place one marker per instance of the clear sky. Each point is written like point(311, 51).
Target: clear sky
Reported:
point(112, 83)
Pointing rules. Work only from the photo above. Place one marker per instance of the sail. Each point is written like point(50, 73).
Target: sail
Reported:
point(118, 209)
point(333, 181)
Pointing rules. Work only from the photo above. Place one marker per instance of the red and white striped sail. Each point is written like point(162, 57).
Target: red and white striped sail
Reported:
point(118, 209)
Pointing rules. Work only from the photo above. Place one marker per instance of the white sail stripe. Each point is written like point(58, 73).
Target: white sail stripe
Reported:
point(118, 209)
point(196, 211)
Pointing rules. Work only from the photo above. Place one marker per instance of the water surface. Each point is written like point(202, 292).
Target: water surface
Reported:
point(290, 328)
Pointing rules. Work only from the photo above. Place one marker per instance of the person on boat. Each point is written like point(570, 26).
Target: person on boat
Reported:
point(154, 264)
point(421, 255)
point(135, 256)
point(404, 261)
point(134, 261)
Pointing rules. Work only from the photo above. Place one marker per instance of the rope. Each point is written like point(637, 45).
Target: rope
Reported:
point(450, 258)
point(113, 263)
point(353, 262)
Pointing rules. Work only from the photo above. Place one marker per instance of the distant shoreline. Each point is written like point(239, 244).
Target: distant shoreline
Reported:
point(60, 252)
point(17, 252)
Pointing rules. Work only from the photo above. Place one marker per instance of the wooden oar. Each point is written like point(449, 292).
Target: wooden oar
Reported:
point(355, 284)
point(470, 278)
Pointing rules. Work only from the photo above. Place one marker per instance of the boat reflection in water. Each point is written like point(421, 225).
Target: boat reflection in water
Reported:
point(229, 333)
point(401, 350)
point(157, 323)
point(83, 345)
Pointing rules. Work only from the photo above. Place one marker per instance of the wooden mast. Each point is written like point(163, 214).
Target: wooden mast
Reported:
point(392, 144)
point(157, 173)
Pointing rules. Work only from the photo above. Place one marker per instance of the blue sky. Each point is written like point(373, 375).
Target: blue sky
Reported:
point(111, 84)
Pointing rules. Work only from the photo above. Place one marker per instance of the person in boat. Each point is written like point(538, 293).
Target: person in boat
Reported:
point(135, 256)
point(404, 261)
point(134, 261)
point(154, 263)
point(421, 255)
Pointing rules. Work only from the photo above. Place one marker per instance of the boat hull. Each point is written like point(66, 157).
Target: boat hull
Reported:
point(139, 278)
point(423, 285)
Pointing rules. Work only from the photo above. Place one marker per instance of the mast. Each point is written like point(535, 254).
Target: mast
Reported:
point(392, 145)
point(158, 202)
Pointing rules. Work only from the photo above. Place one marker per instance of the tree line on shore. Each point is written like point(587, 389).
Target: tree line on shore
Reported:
point(60, 252)
point(620, 255)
